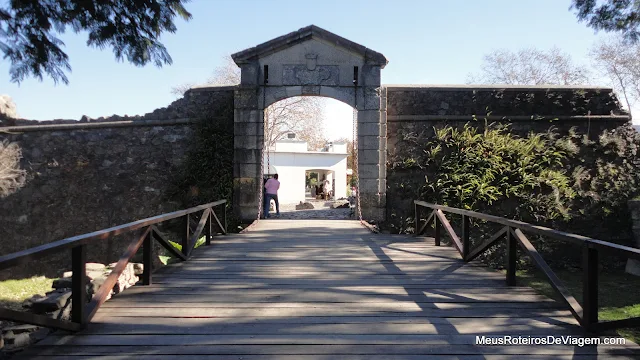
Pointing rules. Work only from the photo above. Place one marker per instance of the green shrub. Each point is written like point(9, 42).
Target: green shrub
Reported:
point(207, 174)
point(604, 177)
point(485, 171)
point(569, 183)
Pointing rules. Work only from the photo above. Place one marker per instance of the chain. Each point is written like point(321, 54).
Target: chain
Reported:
point(268, 159)
point(264, 143)
point(260, 189)
point(355, 155)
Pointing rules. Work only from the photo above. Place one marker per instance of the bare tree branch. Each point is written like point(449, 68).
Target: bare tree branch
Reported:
point(619, 61)
point(301, 115)
point(7, 107)
point(12, 177)
point(529, 67)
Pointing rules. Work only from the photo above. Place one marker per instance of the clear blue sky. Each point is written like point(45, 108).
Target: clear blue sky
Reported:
point(426, 41)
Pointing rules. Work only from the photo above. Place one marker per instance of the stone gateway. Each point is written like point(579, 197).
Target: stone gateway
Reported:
point(314, 62)
point(117, 169)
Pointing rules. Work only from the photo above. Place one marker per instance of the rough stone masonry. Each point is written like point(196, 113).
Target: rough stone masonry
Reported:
point(95, 173)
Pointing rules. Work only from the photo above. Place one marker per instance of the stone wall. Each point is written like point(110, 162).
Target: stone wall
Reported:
point(417, 109)
point(525, 108)
point(90, 175)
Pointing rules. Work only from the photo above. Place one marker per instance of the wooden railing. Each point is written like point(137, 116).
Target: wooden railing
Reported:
point(512, 233)
point(147, 233)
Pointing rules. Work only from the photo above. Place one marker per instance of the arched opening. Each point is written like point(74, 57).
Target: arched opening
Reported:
point(309, 62)
point(308, 140)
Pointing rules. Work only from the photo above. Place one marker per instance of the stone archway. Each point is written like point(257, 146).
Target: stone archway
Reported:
point(310, 62)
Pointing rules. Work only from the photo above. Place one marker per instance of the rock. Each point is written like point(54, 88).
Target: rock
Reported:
point(36, 154)
point(92, 275)
point(340, 205)
point(39, 334)
point(127, 279)
point(304, 206)
point(19, 329)
point(62, 314)
point(138, 268)
point(1, 342)
point(633, 267)
point(53, 301)
point(13, 341)
point(95, 267)
point(66, 282)
point(27, 303)
point(62, 283)
point(67, 274)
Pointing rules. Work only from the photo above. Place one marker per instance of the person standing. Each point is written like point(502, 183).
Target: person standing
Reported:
point(271, 192)
point(327, 189)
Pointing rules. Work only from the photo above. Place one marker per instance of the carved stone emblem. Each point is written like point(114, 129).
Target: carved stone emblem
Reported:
point(327, 75)
point(312, 61)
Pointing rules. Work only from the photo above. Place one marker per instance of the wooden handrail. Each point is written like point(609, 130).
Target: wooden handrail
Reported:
point(81, 315)
point(539, 230)
point(512, 232)
point(24, 256)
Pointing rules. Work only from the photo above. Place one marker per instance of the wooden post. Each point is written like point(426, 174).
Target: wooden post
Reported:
point(511, 258)
point(185, 239)
point(465, 238)
point(147, 258)
point(416, 220)
point(79, 284)
point(436, 222)
point(207, 229)
point(589, 288)
point(224, 215)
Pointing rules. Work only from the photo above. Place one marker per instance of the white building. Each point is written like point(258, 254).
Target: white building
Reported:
point(291, 160)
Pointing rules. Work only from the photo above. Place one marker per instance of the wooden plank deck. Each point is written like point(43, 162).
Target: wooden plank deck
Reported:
point(292, 289)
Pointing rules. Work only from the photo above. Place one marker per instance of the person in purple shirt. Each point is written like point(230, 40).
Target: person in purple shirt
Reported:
point(271, 192)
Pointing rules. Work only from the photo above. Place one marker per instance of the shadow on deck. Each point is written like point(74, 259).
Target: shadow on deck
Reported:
point(324, 290)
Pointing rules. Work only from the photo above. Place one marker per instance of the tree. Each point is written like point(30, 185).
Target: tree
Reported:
point(350, 153)
point(28, 30)
point(622, 16)
point(302, 115)
point(529, 67)
point(12, 177)
point(620, 62)
point(7, 107)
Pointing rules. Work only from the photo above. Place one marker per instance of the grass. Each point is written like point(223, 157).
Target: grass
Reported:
point(165, 259)
point(14, 292)
point(618, 295)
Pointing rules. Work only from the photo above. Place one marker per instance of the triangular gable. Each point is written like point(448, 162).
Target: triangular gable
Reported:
point(304, 34)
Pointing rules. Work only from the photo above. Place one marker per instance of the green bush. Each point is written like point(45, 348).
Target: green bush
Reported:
point(493, 169)
point(604, 176)
point(207, 173)
point(569, 183)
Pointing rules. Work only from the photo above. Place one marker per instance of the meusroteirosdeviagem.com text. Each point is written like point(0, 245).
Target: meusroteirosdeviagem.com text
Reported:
point(549, 340)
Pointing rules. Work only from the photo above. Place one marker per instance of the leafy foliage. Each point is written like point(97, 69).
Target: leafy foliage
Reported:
point(604, 176)
point(208, 171)
point(131, 27)
point(570, 183)
point(621, 16)
point(483, 170)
